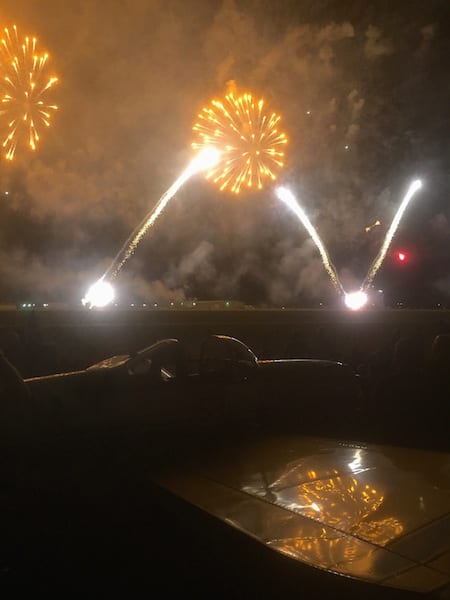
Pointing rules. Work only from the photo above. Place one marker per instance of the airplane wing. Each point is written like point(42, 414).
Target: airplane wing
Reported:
point(380, 514)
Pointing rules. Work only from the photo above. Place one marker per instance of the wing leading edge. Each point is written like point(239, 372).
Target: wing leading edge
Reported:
point(376, 513)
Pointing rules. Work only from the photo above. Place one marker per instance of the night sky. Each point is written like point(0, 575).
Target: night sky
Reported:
point(364, 91)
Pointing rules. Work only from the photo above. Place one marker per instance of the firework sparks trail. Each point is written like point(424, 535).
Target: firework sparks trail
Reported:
point(24, 84)
point(286, 196)
point(248, 138)
point(413, 188)
point(203, 160)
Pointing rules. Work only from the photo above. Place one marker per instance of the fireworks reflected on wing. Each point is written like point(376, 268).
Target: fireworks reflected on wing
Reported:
point(344, 500)
point(24, 85)
point(248, 137)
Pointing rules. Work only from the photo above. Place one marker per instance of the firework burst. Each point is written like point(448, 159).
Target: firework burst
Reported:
point(24, 84)
point(248, 138)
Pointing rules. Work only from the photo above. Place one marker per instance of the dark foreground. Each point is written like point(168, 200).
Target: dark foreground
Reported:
point(88, 517)
point(39, 342)
point(85, 515)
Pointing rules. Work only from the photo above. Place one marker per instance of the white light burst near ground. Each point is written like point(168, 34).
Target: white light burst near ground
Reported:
point(355, 300)
point(100, 294)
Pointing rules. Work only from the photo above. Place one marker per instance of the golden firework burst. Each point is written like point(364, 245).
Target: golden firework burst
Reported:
point(248, 138)
point(24, 83)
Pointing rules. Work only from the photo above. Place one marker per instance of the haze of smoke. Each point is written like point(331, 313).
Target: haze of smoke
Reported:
point(135, 288)
point(27, 278)
point(376, 45)
point(440, 226)
point(443, 285)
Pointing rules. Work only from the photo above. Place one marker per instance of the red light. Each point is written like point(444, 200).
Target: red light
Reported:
point(401, 256)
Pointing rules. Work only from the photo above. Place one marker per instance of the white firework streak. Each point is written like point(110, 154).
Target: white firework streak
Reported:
point(413, 188)
point(286, 196)
point(204, 160)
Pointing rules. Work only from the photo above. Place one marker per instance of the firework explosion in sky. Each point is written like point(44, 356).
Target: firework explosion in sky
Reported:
point(248, 138)
point(365, 109)
point(239, 145)
point(24, 84)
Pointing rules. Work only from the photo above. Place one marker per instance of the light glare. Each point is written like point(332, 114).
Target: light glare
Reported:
point(356, 300)
point(206, 159)
point(100, 294)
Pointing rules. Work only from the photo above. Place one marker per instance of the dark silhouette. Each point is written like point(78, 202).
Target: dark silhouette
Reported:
point(15, 403)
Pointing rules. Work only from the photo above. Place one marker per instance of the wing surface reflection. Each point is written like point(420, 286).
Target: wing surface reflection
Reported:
point(377, 513)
